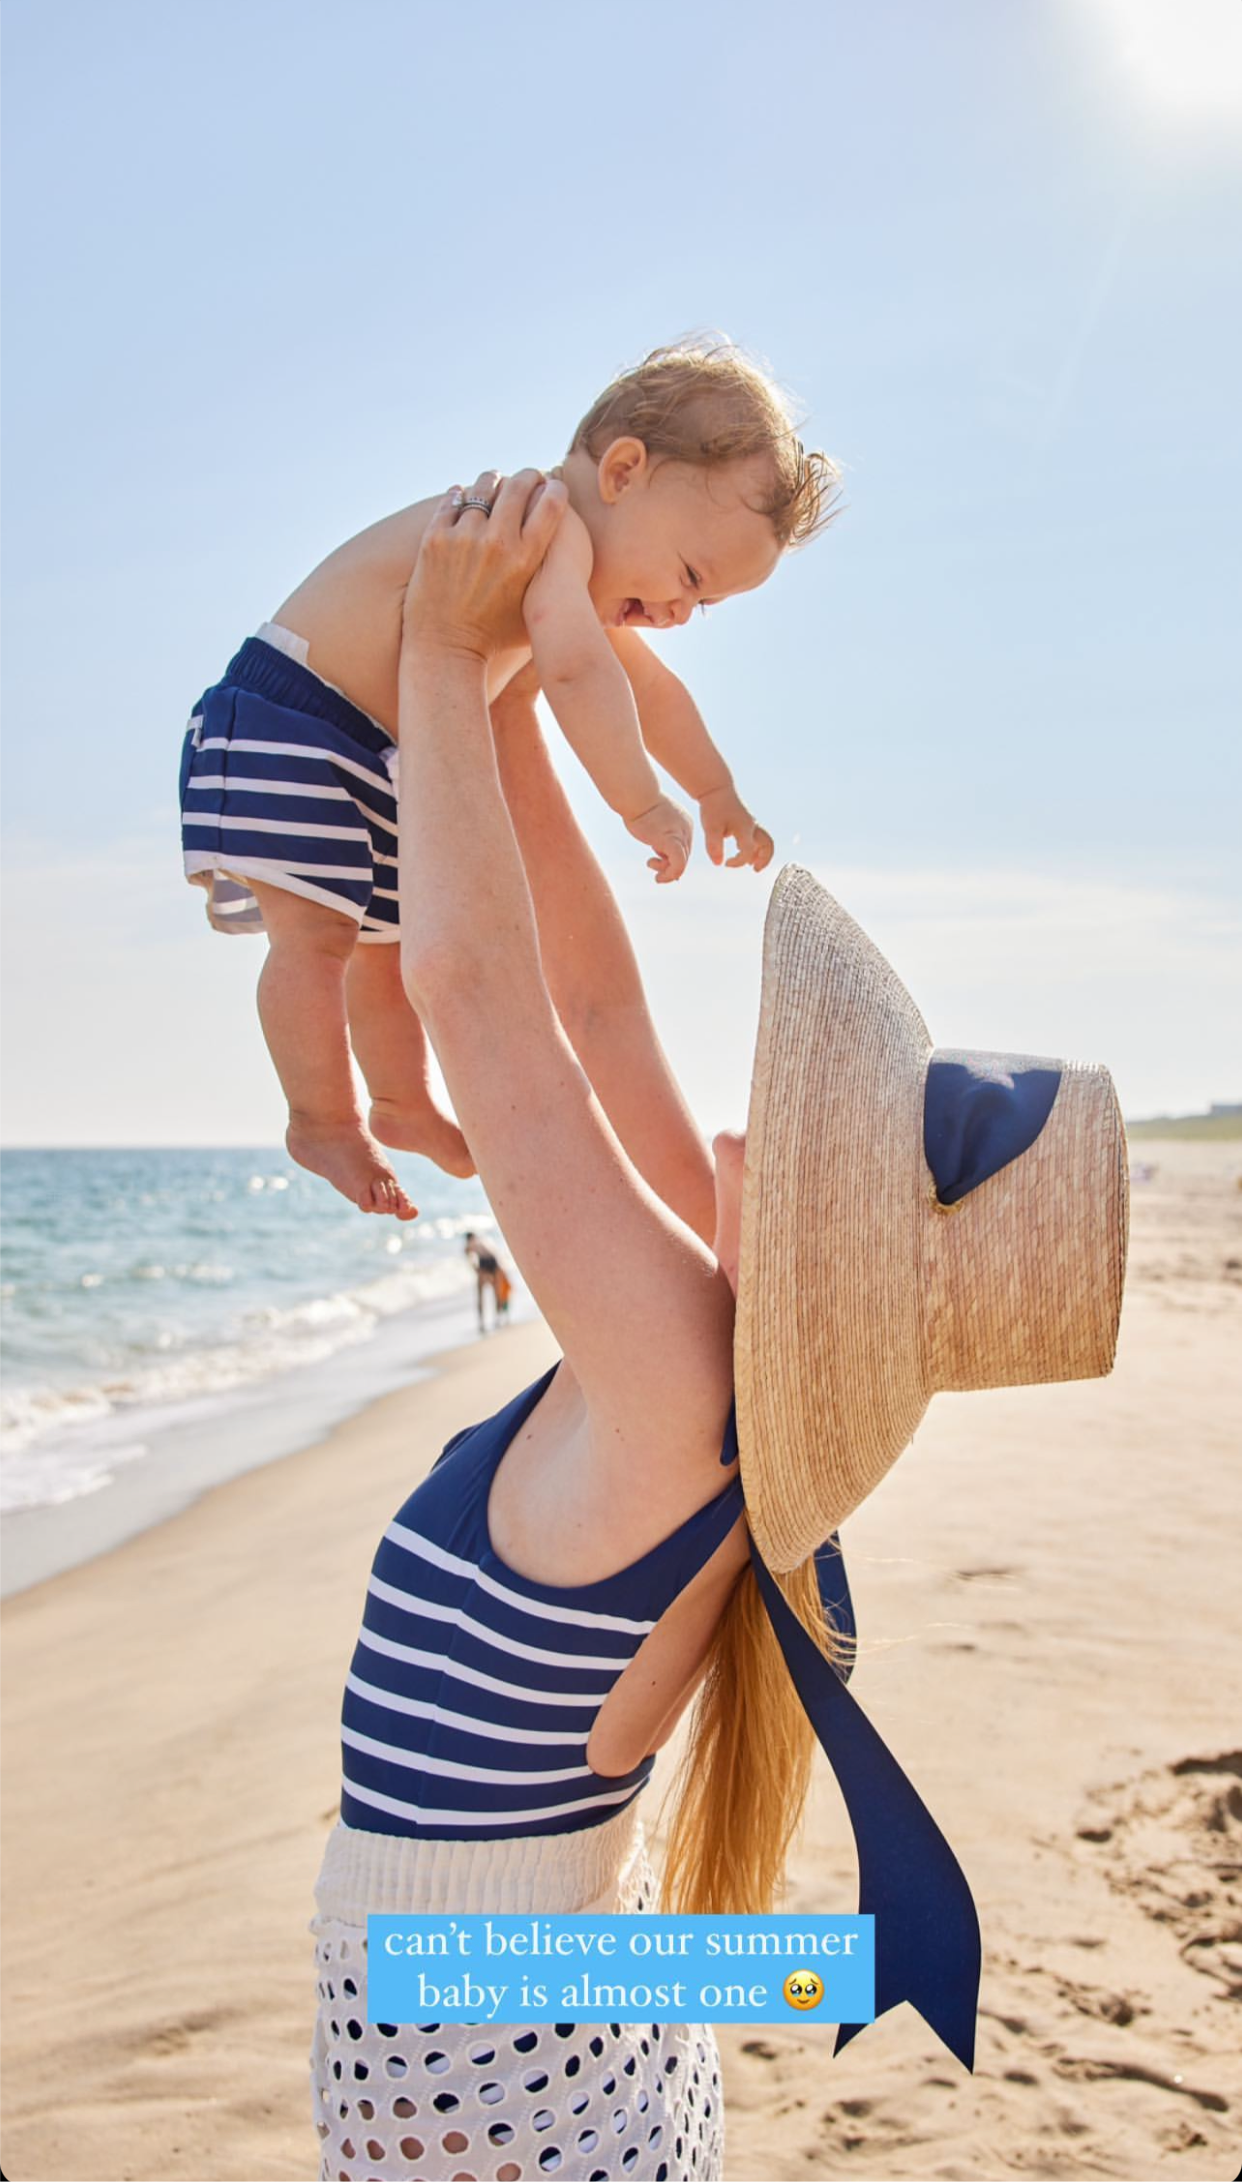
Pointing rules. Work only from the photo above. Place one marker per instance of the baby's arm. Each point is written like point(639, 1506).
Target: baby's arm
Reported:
point(673, 730)
point(591, 696)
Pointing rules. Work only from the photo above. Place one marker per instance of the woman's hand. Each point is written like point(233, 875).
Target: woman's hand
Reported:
point(465, 595)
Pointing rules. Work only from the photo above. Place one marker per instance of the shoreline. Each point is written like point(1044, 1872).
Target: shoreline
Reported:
point(202, 1442)
point(171, 1316)
point(1046, 1589)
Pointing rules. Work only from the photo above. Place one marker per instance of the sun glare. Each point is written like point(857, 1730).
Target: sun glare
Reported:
point(1180, 58)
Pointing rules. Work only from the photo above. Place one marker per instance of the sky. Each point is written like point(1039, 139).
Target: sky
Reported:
point(273, 270)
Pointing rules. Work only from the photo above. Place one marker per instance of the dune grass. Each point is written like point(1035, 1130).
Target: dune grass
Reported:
point(1208, 1128)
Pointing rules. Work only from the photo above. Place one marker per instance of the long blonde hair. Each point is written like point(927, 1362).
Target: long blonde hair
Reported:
point(741, 1786)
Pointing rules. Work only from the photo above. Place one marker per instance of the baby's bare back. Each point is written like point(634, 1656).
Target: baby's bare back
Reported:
point(349, 611)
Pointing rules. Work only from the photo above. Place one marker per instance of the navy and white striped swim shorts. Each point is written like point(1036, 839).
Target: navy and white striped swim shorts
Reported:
point(285, 781)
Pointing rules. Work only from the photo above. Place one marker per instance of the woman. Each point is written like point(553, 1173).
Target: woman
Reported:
point(545, 1605)
point(623, 1445)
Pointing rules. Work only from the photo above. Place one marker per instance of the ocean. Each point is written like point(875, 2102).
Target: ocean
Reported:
point(168, 1318)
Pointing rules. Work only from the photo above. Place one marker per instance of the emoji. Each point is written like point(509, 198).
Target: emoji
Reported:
point(804, 1989)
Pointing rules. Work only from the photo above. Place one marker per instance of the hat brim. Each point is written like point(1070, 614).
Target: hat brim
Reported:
point(828, 1352)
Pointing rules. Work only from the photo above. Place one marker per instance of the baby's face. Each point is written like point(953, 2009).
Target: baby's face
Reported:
point(670, 538)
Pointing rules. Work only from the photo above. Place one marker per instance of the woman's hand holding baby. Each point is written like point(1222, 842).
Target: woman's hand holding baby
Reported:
point(465, 595)
point(479, 555)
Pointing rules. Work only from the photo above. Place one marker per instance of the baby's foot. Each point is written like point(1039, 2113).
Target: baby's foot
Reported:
point(415, 1125)
point(343, 1153)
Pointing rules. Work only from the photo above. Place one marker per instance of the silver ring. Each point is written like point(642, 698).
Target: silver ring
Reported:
point(471, 500)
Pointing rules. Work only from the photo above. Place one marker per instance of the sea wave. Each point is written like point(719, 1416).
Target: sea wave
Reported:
point(274, 1338)
point(149, 1291)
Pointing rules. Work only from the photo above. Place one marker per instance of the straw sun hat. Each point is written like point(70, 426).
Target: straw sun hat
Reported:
point(911, 1222)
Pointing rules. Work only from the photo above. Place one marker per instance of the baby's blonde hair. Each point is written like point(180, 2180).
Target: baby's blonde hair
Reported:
point(703, 401)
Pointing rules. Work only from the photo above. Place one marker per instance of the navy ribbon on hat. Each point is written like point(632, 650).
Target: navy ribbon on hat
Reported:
point(927, 1931)
point(981, 1111)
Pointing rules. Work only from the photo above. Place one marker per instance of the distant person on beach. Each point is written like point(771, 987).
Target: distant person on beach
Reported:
point(685, 484)
point(489, 1273)
point(747, 1344)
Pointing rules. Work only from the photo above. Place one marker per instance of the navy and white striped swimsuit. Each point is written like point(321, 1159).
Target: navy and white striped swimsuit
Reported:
point(285, 781)
point(473, 1690)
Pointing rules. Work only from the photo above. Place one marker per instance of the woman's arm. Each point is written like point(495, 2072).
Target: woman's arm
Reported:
point(636, 1301)
point(591, 972)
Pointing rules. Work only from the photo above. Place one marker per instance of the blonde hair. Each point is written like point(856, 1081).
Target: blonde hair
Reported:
point(703, 401)
point(742, 1783)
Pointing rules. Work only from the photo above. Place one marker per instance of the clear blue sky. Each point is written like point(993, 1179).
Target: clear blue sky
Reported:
point(275, 269)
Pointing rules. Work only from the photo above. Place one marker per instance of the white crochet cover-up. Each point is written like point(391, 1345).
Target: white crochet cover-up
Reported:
point(589, 2102)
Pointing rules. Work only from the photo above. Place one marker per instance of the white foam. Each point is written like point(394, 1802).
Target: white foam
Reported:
point(49, 1436)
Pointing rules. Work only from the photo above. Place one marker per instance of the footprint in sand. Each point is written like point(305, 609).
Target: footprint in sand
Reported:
point(174, 2037)
point(1103, 2006)
point(1172, 1838)
point(1083, 2070)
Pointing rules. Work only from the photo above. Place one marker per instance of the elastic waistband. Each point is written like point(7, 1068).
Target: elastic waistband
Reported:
point(380, 1874)
point(266, 672)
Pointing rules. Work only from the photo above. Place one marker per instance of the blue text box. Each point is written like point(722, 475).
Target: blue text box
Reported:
point(620, 1969)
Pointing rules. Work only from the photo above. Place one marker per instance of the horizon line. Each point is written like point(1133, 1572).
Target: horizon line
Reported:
point(1219, 1109)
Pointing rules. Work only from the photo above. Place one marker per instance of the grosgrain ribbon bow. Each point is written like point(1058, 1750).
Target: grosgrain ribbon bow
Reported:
point(927, 1932)
point(981, 1110)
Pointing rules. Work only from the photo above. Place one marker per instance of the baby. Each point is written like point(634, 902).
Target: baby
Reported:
point(685, 483)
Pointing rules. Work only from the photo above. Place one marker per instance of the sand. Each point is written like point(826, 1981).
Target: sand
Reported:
point(1047, 1592)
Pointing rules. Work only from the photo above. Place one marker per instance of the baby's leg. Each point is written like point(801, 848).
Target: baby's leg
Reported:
point(302, 1010)
point(391, 1047)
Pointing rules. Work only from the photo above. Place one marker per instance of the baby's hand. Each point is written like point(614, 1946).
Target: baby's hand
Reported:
point(723, 816)
point(666, 828)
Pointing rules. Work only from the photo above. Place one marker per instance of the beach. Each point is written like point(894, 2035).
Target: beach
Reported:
point(1047, 1594)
